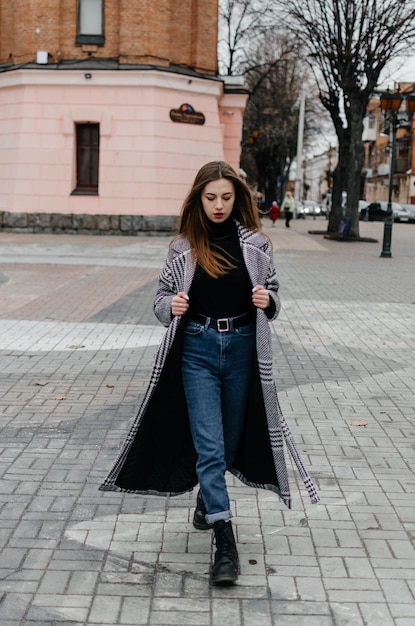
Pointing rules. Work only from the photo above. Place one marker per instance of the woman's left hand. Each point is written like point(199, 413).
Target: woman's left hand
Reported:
point(260, 297)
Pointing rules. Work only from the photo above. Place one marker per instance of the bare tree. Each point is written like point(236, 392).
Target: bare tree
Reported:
point(349, 44)
point(252, 43)
point(242, 24)
point(273, 113)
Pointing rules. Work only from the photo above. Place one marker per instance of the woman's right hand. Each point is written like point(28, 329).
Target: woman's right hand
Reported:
point(180, 303)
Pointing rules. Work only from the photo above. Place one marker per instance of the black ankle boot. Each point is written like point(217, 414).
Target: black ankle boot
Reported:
point(225, 568)
point(199, 518)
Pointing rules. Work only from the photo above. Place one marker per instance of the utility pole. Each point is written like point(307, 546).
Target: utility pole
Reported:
point(299, 158)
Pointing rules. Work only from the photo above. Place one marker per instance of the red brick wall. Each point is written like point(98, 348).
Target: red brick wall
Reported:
point(144, 31)
point(136, 31)
point(193, 34)
point(6, 30)
point(204, 40)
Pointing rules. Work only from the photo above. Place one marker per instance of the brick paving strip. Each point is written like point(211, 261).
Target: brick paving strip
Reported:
point(77, 341)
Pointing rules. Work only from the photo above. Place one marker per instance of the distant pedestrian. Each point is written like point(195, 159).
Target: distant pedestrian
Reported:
point(274, 212)
point(211, 404)
point(260, 202)
point(288, 206)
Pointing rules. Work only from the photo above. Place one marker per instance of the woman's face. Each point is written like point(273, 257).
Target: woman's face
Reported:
point(218, 198)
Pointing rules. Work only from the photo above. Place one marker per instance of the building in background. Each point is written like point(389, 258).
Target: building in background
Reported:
point(377, 141)
point(377, 137)
point(107, 109)
point(318, 177)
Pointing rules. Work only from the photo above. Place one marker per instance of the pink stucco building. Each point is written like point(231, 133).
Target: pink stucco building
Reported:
point(93, 143)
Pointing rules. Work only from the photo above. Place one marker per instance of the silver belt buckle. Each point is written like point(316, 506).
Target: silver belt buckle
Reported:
point(223, 325)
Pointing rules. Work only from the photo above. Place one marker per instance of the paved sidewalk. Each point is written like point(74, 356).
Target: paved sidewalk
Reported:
point(77, 341)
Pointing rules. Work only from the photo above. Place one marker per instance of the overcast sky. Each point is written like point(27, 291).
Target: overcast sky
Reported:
point(400, 70)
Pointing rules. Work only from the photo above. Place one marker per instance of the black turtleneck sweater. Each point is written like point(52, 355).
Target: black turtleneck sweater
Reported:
point(228, 295)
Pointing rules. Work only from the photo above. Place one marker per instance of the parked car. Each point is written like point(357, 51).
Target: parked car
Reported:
point(411, 209)
point(299, 210)
point(403, 215)
point(309, 207)
point(376, 211)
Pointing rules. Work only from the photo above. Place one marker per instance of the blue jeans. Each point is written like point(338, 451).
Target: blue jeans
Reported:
point(216, 370)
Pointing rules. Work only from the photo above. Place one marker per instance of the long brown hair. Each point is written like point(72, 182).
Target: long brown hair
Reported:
point(193, 222)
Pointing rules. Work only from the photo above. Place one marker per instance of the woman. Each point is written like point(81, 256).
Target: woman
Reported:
point(211, 405)
point(288, 206)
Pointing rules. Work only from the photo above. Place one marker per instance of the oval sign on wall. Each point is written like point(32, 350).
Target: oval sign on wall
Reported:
point(186, 114)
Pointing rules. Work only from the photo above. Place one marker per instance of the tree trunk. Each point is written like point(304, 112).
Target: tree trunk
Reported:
point(355, 160)
point(336, 201)
point(339, 182)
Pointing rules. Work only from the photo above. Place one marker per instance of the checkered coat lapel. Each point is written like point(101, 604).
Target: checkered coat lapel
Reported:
point(177, 275)
point(257, 253)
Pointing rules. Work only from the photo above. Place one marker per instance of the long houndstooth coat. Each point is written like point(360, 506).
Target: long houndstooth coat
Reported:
point(158, 456)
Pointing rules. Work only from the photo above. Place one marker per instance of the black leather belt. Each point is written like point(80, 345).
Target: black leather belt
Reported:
point(224, 324)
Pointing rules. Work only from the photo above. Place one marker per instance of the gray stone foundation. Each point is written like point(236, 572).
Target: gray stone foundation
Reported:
point(87, 224)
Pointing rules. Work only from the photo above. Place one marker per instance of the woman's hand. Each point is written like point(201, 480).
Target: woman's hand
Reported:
point(180, 303)
point(260, 297)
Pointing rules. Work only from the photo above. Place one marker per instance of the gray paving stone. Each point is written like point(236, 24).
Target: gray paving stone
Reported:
point(135, 611)
point(54, 582)
point(401, 611)
point(356, 595)
point(344, 351)
point(377, 614)
point(13, 606)
point(105, 609)
point(397, 591)
point(234, 613)
point(311, 620)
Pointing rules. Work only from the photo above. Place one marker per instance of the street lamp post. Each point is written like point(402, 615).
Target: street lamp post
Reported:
point(391, 103)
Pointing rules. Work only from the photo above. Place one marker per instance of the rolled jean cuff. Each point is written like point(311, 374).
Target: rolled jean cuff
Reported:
point(215, 517)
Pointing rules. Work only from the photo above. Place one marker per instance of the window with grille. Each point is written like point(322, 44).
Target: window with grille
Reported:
point(90, 22)
point(87, 159)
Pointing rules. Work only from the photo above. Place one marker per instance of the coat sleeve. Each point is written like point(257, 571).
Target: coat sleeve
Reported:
point(273, 285)
point(167, 289)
